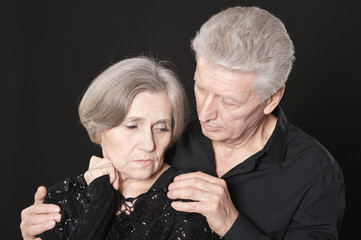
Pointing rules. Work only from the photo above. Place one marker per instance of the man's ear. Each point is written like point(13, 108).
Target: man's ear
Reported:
point(273, 101)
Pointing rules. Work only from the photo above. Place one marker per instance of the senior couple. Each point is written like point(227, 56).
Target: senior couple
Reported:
point(238, 171)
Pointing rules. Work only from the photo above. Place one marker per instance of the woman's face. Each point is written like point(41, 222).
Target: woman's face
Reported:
point(136, 146)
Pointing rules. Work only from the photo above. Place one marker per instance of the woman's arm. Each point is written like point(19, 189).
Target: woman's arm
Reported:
point(40, 217)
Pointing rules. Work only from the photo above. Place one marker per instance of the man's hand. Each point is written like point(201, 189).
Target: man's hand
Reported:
point(39, 217)
point(211, 199)
point(99, 167)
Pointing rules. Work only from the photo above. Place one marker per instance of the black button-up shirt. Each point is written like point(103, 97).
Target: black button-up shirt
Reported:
point(292, 189)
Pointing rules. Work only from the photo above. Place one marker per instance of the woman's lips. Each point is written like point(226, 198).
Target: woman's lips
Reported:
point(144, 162)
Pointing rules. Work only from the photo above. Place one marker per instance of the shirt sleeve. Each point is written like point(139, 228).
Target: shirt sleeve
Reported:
point(103, 204)
point(72, 198)
point(86, 210)
point(320, 213)
point(318, 216)
point(244, 229)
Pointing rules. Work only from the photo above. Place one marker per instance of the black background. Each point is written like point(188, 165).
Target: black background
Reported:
point(51, 50)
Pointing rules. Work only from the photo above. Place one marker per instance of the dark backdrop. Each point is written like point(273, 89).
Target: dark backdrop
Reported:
point(51, 50)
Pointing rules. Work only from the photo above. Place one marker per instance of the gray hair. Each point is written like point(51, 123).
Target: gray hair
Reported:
point(249, 40)
point(108, 98)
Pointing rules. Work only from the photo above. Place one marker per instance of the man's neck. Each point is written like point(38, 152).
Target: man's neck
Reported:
point(230, 154)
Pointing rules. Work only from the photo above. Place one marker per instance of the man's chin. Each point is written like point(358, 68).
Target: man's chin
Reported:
point(213, 135)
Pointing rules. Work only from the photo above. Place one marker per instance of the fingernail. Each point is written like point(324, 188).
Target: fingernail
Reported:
point(56, 209)
point(57, 218)
point(51, 223)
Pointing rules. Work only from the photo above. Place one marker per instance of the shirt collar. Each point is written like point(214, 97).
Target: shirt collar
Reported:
point(271, 155)
point(276, 145)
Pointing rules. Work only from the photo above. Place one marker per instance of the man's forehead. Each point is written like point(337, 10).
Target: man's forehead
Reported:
point(204, 65)
point(223, 79)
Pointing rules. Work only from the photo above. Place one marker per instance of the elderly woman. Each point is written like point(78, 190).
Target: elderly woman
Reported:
point(134, 110)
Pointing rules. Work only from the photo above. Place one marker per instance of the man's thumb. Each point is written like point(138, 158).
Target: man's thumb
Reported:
point(40, 195)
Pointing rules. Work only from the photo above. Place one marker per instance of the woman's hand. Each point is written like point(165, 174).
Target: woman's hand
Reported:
point(39, 217)
point(99, 167)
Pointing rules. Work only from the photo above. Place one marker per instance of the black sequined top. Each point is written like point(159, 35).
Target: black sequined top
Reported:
point(89, 213)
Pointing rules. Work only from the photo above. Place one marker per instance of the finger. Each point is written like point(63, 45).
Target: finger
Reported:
point(40, 195)
point(40, 228)
point(100, 169)
point(94, 160)
point(42, 209)
point(193, 193)
point(43, 218)
point(199, 175)
point(195, 207)
point(112, 175)
point(116, 183)
point(195, 182)
point(109, 168)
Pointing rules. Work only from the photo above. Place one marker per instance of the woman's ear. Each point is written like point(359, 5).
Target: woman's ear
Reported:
point(98, 139)
point(273, 101)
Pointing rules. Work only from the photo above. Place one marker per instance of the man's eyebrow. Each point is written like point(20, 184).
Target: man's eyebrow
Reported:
point(237, 101)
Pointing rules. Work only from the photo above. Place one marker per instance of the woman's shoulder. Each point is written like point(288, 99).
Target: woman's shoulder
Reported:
point(67, 188)
point(71, 195)
point(184, 225)
point(166, 178)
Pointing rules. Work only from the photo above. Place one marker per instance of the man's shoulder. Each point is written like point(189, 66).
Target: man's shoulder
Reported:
point(306, 150)
point(193, 128)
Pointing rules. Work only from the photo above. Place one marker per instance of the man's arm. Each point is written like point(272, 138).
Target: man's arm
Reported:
point(319, 215)
point(39, 217)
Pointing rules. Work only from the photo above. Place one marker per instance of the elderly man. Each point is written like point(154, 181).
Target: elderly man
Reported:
point(263, 178)
point(253, 174)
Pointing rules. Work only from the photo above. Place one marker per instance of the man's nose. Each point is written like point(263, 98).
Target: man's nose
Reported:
point(207, 110)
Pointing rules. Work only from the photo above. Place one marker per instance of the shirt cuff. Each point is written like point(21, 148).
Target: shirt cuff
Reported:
point(100, 189)
point(244, 229)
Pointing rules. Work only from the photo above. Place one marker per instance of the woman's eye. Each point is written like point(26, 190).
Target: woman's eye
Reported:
point(161, 127)
point(164, 129)
point(131, 126)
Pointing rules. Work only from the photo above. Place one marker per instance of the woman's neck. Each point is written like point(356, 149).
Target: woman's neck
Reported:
point(132, 188)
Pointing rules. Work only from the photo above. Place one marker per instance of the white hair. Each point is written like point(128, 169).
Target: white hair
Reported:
point(108, 98)
point(249, 40)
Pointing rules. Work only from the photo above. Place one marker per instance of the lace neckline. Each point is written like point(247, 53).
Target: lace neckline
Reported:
point(126, 205)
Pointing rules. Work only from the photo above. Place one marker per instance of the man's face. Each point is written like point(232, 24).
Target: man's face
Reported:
point(228, 108)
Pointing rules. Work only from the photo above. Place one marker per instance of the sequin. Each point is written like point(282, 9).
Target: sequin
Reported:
point(149, 216)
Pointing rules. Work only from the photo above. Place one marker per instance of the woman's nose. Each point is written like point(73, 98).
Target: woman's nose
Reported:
point(147, 142)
